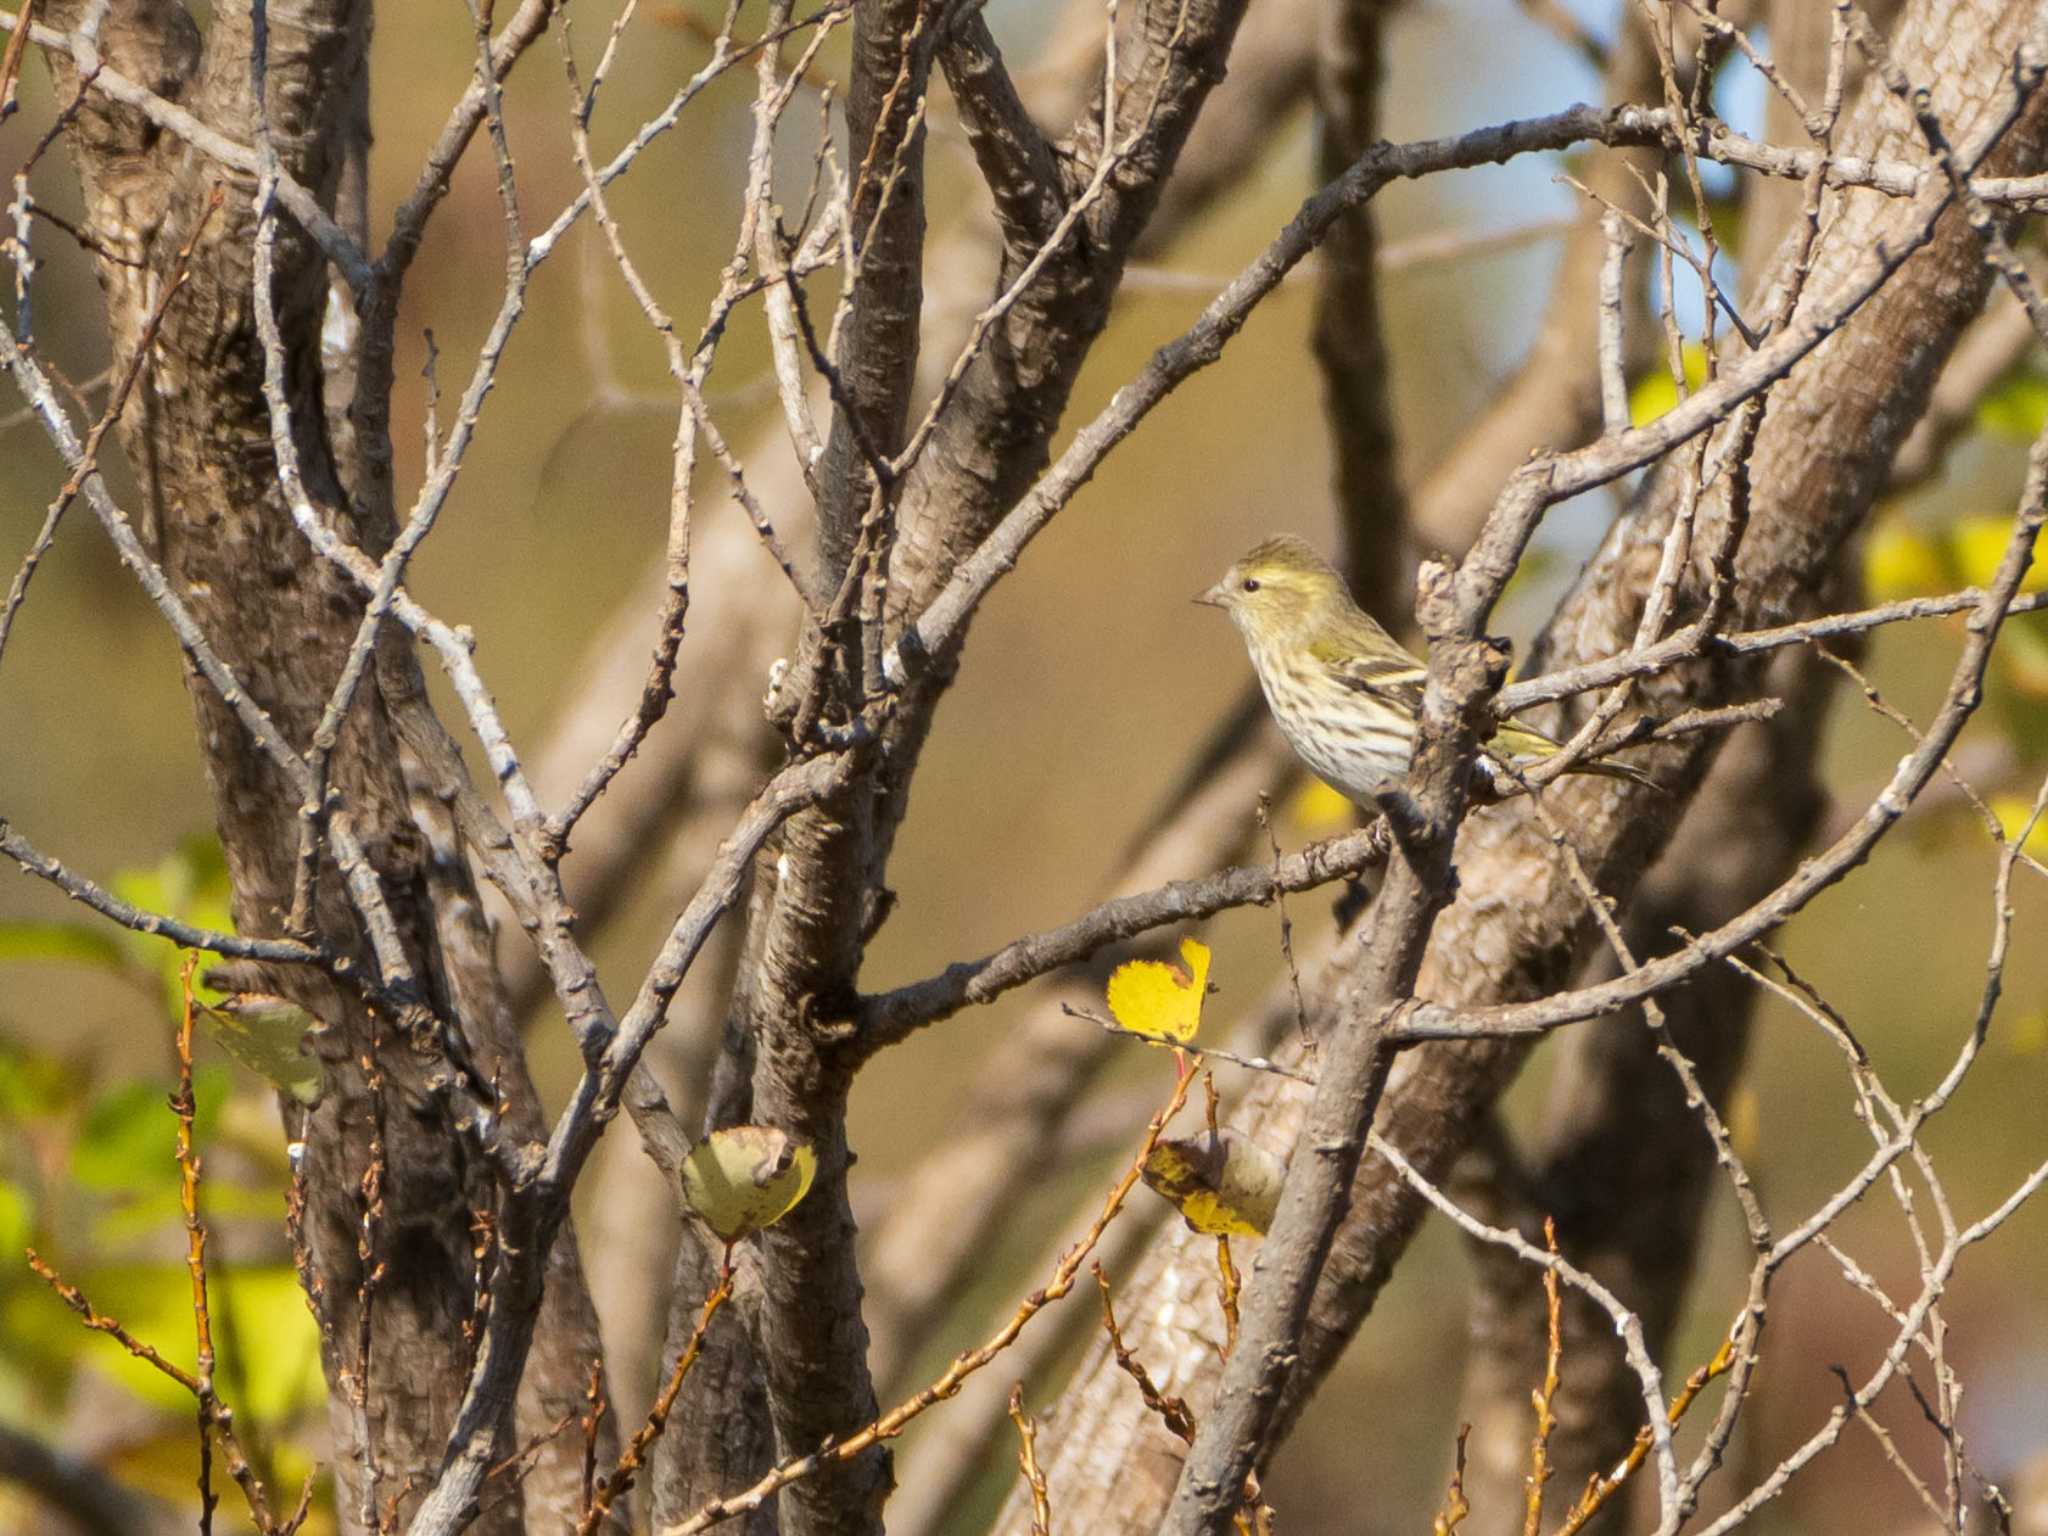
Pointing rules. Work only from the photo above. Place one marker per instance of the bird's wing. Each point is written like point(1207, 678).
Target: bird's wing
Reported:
point(1518, 738)
point(1397, 680)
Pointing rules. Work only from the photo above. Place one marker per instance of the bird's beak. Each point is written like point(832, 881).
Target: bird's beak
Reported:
point(1212, 597)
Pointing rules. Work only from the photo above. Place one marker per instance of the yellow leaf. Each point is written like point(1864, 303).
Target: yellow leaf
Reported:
point(1745, 1121)
point(2023, 658)
point(746, 1178)
point(2016, 408)
point(1979, 544)
point(1226, 1186)
point(1319, 810)
point(1654, 393)
point(2012, 812)
point(1900, 561)
point(2030, 1034)
point(1160, 1000)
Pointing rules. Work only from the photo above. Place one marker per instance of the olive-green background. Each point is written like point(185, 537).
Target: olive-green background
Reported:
point(1088, 680)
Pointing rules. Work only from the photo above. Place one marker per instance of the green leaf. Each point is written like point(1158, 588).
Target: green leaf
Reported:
point(138, 1218)
point(1654, 393)
point(126, 1141)
point(191, 884)
point(2016, 407)
point(258, 1312)
point(746, 1178)
point(279, 1356)
point(17, 1221)
point(154, 889)
point(62, 943)
point(34, 1085)
point(124, 1145)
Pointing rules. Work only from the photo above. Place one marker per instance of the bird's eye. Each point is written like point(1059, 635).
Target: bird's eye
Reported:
point(1251, 584)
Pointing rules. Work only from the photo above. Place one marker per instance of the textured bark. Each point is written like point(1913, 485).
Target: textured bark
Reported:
point(1116, 1469)
point(1239, 1428)
point(814, 898)
point(1272, 73)
point(1622, 1164)
point(1799, 39)
point(631, 1225)
point(742, 615)
point(282, 621)
point(1553, 398)
point(567, 1341)
point(995, 438)
point(993, 442)
point(827, 889)
point(1349, 343)
point(1517, 928)
point(1038, 1073)
point(809, 1335)
point(1820, 459)
point(878, 351)
point(1799, 51)
point(719, 1437)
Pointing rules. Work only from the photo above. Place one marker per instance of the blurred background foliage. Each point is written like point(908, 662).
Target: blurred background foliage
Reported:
point(1088, 683)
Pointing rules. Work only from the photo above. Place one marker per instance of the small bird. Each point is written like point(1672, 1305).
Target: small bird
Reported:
point(1346, 693)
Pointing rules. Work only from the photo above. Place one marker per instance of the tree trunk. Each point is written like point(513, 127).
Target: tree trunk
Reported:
point(1517, 927)
point(282, 621)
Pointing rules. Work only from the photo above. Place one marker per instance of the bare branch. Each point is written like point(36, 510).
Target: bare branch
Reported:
point(1427, 1021)
point(1015, 159)
point(83, 55)
point(891, 1016)
point(1352, 1068)
point(887, 1426)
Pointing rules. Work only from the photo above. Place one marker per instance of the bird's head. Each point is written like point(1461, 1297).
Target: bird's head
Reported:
point(1279, 588)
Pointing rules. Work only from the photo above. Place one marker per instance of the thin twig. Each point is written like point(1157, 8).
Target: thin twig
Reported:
point(1027, 1462)
point(117, 400)
point(1613, 372)
point(1540, 1399)
point(219, 1420)
point(955, 1375)
point(1455, 1506)
point(1171, 1411)
point(1602, 1487)
point(182, 1106)
point(634, 1456)
point(1190, 1055)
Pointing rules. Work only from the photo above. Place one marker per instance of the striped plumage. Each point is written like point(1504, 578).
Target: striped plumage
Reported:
point(1344, 692)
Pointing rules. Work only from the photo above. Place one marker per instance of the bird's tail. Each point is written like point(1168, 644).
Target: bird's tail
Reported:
point(1517, 740)
point(1607, 768)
